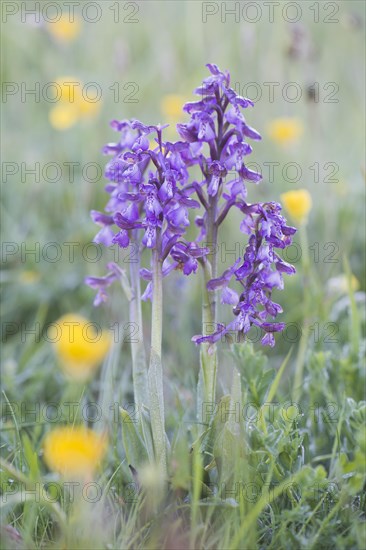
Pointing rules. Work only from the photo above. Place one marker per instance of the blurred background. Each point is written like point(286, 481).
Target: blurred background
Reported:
point(305, 73)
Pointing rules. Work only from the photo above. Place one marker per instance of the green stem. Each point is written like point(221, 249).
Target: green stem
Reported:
point(72, 402)
point(206, 391)
point(139, 369)
point(155, 373)
point(208, 360)
point(157, 305)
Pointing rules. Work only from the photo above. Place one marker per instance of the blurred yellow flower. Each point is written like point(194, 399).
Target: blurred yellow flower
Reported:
point(172, 106)
point(62, 117)
point(285, 130)
point(79, 345)
point(88, 108)
point(172, 112)
point(74, 451)
point(298, 204)
point(69, 88)
point(64, 29)
point(73, 104)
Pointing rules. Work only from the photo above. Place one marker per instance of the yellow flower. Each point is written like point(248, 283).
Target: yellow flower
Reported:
point(172, 113)
point(73, 105)
point(63, 116)
point(285, 130)
point(70, 88)
point(88, 108)
point(65, 30)
point(74, 451)
point(172, 106)
point(298, 204)
point(80, 346)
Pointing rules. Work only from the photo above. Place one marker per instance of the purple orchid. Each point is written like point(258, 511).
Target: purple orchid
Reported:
point(217, 121)
point(259, 274)
point(148, 201)
point(151, 195)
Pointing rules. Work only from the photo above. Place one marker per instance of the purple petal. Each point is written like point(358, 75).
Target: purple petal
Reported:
point(104, 237)
point(147, 295)
point(273, 327)
point(122, 238)
point(149, 239)
point(229, 296)
point(146, 274)
point(100, 218)
point(285, 267)
point(268, 340)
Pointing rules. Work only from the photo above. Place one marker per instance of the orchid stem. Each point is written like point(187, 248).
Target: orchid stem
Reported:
point(157, 305)
point(139, 368)
point(206, 391)
point(155, 373)
point(208, 361)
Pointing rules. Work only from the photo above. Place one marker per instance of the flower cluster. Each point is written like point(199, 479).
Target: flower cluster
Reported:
point(151, 195)
point(217, 121)
point(148, 202)
point(259, 273)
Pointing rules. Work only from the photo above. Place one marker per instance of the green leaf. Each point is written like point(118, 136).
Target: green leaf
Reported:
point(146, 432)
point(31, 457)
point(135, 449)
point(157, 409)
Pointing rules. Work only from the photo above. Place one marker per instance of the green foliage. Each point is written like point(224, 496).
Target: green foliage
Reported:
point(289, 479)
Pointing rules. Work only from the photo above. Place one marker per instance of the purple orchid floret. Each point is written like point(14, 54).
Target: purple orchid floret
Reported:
point(185, 257)
point(101, 284)
point(258, 273)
